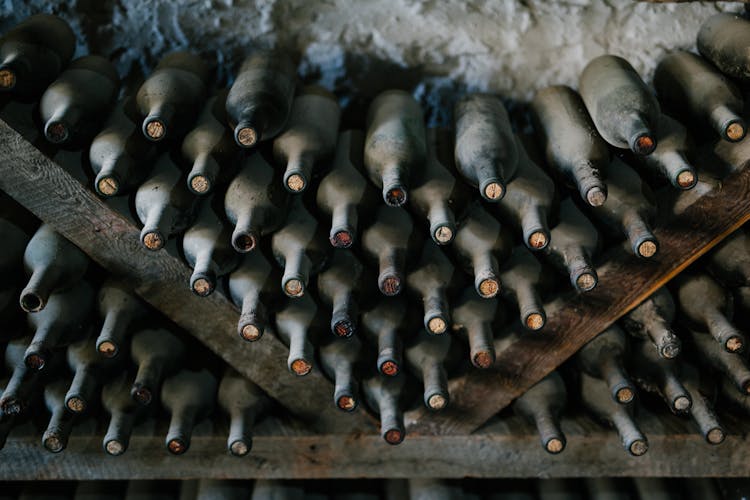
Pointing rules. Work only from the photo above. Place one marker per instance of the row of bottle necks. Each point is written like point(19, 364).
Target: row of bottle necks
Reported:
point(388, 489)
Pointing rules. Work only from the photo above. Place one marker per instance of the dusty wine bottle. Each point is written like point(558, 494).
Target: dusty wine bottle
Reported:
point(14, 399)
point(622, 107)
point(337, 287)
point(343, 192)
point(690, 86)
point(670, 158)
point(523, 277)
point(481, 246)
point(299, 248)
point(55, 437)
point(72, 106)
point(120, 156)
point(387, 241)
point(294, 325)
point(652, 321)
point(528, 203)
point(171, 97)
point(729, 261)
point(163, 204)
point(33, 53)
point(573, 242)
point(260, 99)
point(395, 144)
point(542, 405)
point(382, 395)
point(430, 282)
point(572, 145)
point(382, 325)
point(596, 399)
point(249, 285)
point(120, 310)
point(338, 360)
point(485, 151)
point(254, 203)
point(66, 315)
point(709, 307)
point(602, 357)
point(723, 39)
point(309, 138)
point(124, 414)
point(208, 250)
point(702, 390)
point(425, 356)
point(157, 354)
point(658, 375)
point(245, 404)
point(54, 264)
point(90, 370)
point(730, 364)
point(209, 147)
point(476, 317)
point(189, 397)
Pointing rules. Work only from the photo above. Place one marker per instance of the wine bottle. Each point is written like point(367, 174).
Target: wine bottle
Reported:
point(124, 414)
point(481, 247)
point(730, 364)
point(707, 306)
point(573, 147)
point(66, 315)
point(542, 405)
point(254, 203)
point(337, 287)
point(55, 437)
point(170, 98)
point(249, 285)
point(476, 316)
point(382, 326)
point(395, 144)
point(120, 156)
point(344, 192)
point(596, 399)
point(729, 261)
point(338, 360)
point(209, 147)
point(629, 209)
point(90, 371)
point(522, 276)
point(652, 321)
point(33, 53)
point(73, 105)
point(573, 243)
point(658, 375)
point(670, 158)
point(299, 248)
point(208, 251)
point(158, 354)
point(740, 399)
point(387, 241)
point(189, 397)
point(602, 357)
point(425, 356)
point(622, 107)
point(382, 395)
point(120, 310)
point(54, 264)
point(245, 404)
point(14, 399)
point(163, 204)
point(485, 151)
point(434, 192)
point(529, 201)
point(309, 138)
point(688, 85)
point(430, 281)
point(260, 99)
point(294, 325)
point(723, 39)
point(702, 390)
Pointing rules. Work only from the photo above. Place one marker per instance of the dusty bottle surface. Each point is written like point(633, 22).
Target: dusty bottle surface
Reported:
point(245, 403)
point(124, 415)
point(703, 391)
point(542, 405)
point(382, 395)
point(338, 287)
point(90, 371)
point(430, 281)
point(732, 365)
point(339, 359)
point(250, 285)
point(729, 261)
point(189, 397)
point(523, 278)
point(55, 437)
point(723, 39)
point(387, 241)
point(157, 353)
point(476, 317)
point(23, 382)
point(120, 310)
point(382, 327)
point(652, 321)
point(670, 159)
point(296, 326)
point(603, 358)
point(425, 356)
point(659, 375)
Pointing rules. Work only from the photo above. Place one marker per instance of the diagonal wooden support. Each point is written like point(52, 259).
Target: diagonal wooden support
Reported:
point(50, 193)
point(572, 320)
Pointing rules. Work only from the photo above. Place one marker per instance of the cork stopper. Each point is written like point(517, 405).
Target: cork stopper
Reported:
point(437, 325)
point(493, 191)
point(596, 197)
point(682, 403)
point(246, 136)
point(108, 186)
point(346, 403)
point(56, 132)
point(389, 368)
point(638, 447)
point(586, 282)
point(391, 285)
point(395, 197)
point(177, 446)
point(141, 395)
point(647, 249)
point(251, 333)
point(294, 288)
point(715, 436)
point(7, 79)
point(53, 443)
point(342, 239)
point(35, 361)
point(296, 183)
point(11, 406)
point(200, 184)
point(239, 448)
point(76, 404)
point(733, 344)
point(670, 351)
point(554, 446)
point(625, 395)
point(538, 240)
point(437, 402)
point(443, 235)
point(489, 287)
point(686, 179)
point(343, 328)
point(394, 436)
point(644, 145)
point(534, 321)
point(114, 447)
point(301, 367)
point(483, 360)
point(202, 287)
point(735, 131)
point(153, 241)
point(155, 129)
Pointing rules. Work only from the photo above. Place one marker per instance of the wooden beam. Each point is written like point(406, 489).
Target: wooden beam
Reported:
point(110, 239)
point(508, 448)
point(573, 319)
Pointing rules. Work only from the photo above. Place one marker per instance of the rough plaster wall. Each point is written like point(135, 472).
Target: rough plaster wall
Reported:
point(436, 48)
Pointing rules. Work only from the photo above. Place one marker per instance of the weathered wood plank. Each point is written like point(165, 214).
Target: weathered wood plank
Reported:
point(111, 240)
point(574, 319)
